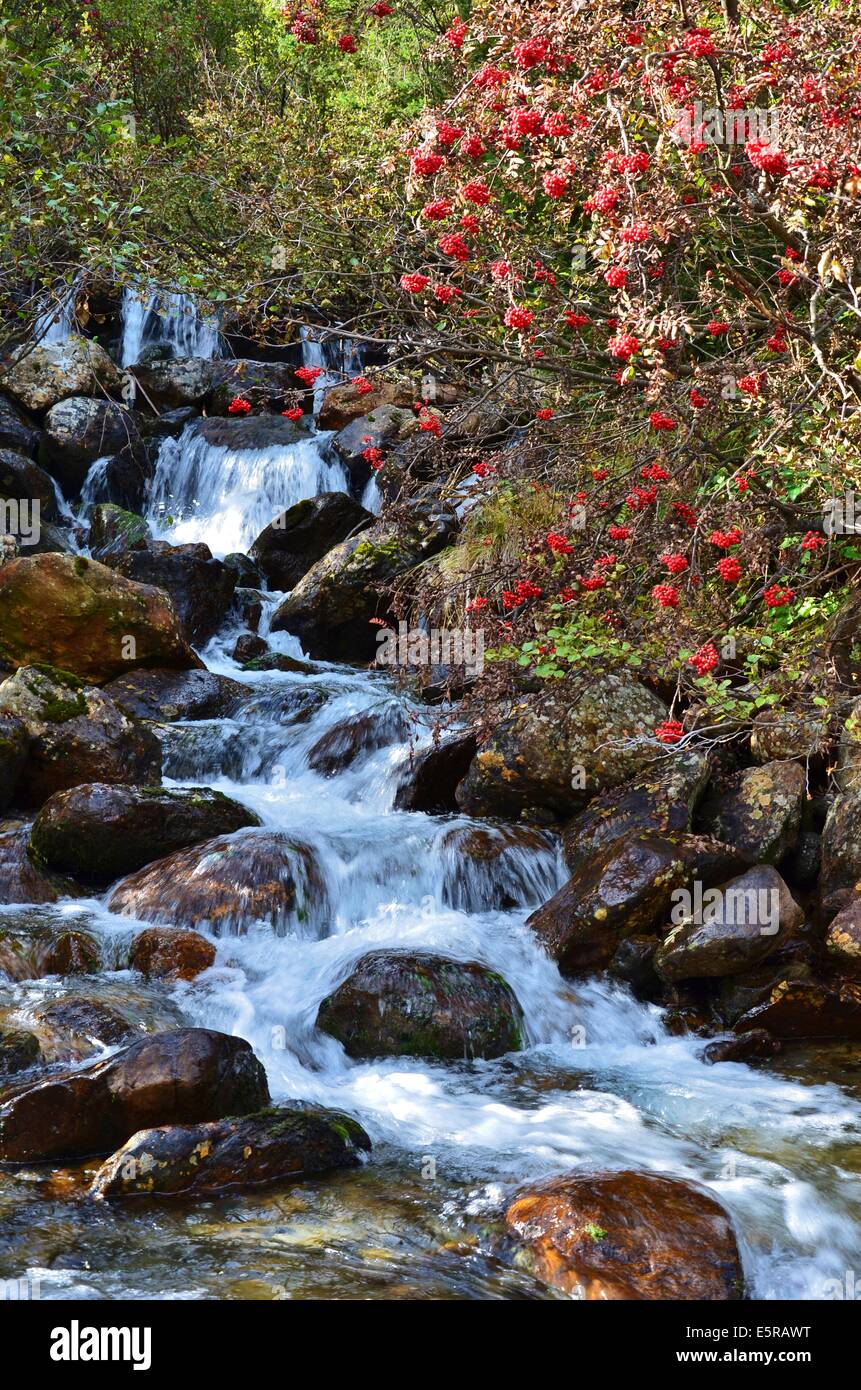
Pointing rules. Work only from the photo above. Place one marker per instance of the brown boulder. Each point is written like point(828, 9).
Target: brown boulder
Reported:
point(808, 1009)
point(558, 750)
point(625, 890)
point(78, 615)
point(171, 953)
point(416, 1004)
point(278, 1145)
point(736, 927)
point(227, 884)
point(759, 811)
point(102, 831)
point(75, 735)
point(22, 881)
point(171, 695)
point(187, 1076)
point(627, 1235)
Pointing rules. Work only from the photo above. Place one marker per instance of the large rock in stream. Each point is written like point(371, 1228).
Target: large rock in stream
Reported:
point(626, 890)
point(557, 751)
point(187, 1076)
point(277, 1145)
point(422, 1005)
point(228, 884)
point(38, 377)
point(75, 734)
point(167, 696)
point(199, 586)
point(80, 430)
point(22, 881)
point(331, 608)
point(103, 831)
point(22, 480)
point(627, 1235)
point(302, 535)
point(73, 613)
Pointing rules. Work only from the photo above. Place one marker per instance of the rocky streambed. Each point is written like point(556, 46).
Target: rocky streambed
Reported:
point(298, 1001)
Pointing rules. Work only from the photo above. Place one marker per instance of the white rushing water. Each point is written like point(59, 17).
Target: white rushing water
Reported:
point(151, 317)
point(226, 496)
point(601, 1083)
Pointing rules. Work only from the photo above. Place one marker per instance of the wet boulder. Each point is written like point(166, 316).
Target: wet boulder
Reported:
point(32, 953)
point(186, 1076)
point(249, 584)
point(759, 811)
point(228, 884)
point(179, 381)
point(739, 993)
point(123, 478)
point(38, 377)
point(662, 798)
point(22, 480)
point(736, 926)
point(248, 647)
point(171, 953)
point(634, 963)
point(356, 737)
point(76, 1027)
point(19, 1052)
point(200, 587)
point(101, 831)
point(302, 535)
point(14, 743)
point(801, 1009)
point(431, 776)
point(80, 430)
point(265, 385)
point(76, 734)
point(750, 1047)
point(22, 881)
point(557, 751)
point(16, 431)
point(625, 890)
point(113, 531)
point(417, 1004)
point(78, 615)
point(331, 608)
point(627, 1235)
point(497, 866)
point(284, 1144)
point(250, 431)
point(166, 696)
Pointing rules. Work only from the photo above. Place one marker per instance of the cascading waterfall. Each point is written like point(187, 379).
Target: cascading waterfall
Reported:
point(57, 319)
point(226, 495)
point(600, 1084)
point(166, 317)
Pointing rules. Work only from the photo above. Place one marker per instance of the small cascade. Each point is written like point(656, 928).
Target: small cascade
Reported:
point(169, 318)
point(57, 319)
point(226, 495)
point(337, 358)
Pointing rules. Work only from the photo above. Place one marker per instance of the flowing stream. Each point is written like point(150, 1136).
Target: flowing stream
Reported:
point(600, 1084)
